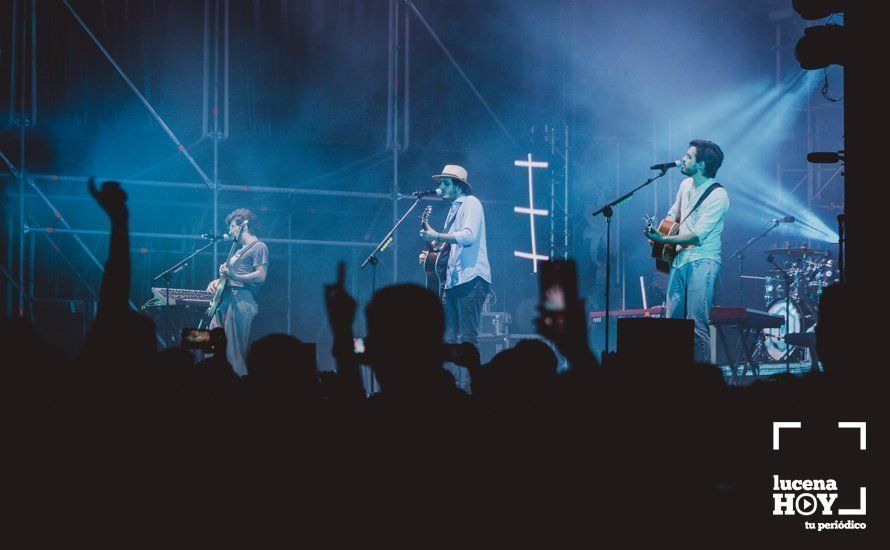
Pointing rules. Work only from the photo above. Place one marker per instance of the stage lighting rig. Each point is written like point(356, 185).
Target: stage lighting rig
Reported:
point(812, 10)
point(821, 45)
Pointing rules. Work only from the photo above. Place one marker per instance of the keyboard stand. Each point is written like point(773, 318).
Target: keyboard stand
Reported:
point(748, 361)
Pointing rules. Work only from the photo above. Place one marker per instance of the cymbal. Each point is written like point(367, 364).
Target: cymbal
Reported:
point(799, 251)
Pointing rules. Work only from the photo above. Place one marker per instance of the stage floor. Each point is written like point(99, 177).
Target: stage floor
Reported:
point(769, 369)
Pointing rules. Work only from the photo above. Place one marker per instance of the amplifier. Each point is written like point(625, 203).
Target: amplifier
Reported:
point(597, 327)
point(494, 324)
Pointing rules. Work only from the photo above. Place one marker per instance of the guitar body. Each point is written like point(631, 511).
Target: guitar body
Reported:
point(664, 254)
point(435, 266)
point(215, 301)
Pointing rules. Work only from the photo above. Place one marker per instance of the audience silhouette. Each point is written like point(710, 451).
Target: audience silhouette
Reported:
point(160, 440)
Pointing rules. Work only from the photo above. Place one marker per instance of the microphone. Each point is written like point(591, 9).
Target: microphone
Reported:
point(428, 193)
point(214, 237)
point(825, 158)
point(784, 219)
point(667, 165)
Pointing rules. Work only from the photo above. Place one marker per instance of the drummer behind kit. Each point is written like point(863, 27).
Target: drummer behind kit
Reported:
point(809, 270)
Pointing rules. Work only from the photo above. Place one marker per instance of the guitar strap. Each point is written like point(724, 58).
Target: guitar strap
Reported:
point(699, 201)
point(452, 214)
point(449, 221)
point(445, 252)
point(237, 255)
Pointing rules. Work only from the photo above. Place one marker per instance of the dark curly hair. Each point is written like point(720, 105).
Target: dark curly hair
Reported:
point(242, 214)
point(709, 153)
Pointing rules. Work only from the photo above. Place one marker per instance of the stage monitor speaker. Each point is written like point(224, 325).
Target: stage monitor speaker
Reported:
point(657, 341)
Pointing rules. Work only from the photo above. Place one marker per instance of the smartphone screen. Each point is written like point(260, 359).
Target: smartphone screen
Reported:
point(358, 345)
point(195, 338)
point(559, 288)
point(559, 285)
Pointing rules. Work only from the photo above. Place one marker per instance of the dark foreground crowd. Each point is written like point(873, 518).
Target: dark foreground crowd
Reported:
point(127, 446)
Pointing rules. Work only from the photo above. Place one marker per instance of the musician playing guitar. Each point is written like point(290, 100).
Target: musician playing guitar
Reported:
point(699, 209)
point(467, 275)
point(243, 273)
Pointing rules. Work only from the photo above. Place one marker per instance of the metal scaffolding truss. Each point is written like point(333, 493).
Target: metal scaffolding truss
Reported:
point(215, 127)
point(819, 179)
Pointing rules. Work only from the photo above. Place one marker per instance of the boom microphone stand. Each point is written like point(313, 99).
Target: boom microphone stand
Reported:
point(387, 240)
point(607, 212)
point(741, 256)
point(167, 275)
point(372, 259)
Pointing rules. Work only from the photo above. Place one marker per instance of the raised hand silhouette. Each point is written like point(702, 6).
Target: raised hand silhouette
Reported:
point(341, 309)
point(111, 198)
point(572, 341)
point(114, 293)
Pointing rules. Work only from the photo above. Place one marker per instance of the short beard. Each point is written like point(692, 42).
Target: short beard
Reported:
point(686, 172)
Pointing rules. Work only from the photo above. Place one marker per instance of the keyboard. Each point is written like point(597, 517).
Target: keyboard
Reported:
point(178, 297)
point(654, 311)
point(744, 317)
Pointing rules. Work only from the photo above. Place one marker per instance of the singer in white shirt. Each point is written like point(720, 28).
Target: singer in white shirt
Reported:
point(690, 292)
point(468, 276)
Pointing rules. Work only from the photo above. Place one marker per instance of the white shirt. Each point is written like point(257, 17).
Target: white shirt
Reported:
point(706, 221)
point(469, 256)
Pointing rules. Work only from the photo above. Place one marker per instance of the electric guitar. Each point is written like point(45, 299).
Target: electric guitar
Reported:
point(435, 266)
point(217, 296)
point(663, 253)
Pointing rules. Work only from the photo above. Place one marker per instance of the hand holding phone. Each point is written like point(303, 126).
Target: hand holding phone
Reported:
point(559, 292)
point(562, 313)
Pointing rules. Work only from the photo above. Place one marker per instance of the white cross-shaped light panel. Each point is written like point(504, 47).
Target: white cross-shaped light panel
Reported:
point(531, 211)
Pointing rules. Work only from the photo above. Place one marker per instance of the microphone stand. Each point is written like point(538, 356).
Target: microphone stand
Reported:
point(167, 275)
point(606, 211)
point(372, 258)
point(841, 247)
point(787, 280)
point(741, 255)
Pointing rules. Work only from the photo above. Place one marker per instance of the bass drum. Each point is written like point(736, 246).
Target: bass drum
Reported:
point(802, 318)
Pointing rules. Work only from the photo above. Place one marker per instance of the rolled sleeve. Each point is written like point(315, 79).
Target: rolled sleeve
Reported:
point(469, 222)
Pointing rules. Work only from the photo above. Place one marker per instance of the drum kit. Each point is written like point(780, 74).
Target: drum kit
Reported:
point(792, 290)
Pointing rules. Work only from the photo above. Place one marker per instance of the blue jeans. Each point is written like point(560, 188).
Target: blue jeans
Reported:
point(235, 314)
point(690, 294)
point(463, 313)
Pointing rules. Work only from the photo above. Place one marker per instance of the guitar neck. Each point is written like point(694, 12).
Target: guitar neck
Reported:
point(232, 251)
point(217, 296)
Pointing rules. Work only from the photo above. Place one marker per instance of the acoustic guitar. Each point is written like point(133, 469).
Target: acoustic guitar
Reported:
point(663, 253)
point(435, 266)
